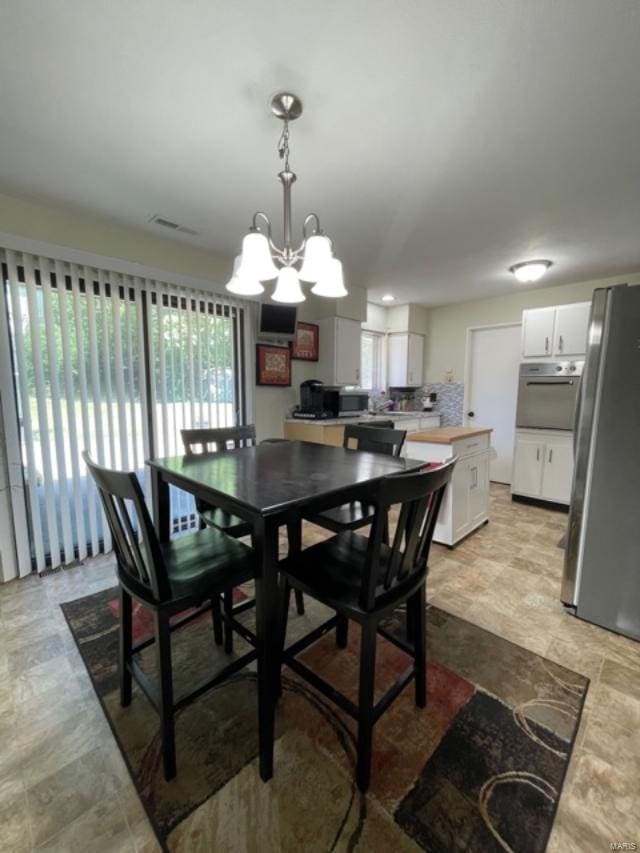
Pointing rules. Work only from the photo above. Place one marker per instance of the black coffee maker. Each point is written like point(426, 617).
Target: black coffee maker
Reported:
point(311, 398)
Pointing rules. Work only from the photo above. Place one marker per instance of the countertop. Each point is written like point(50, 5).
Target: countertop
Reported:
point(387, 416)
point(447, 435)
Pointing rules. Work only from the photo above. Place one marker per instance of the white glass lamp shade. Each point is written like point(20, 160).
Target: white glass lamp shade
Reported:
point(530, 270)
point(242, 285)
point(332, 281)
point(256, 258)
point(288, 287)
point(317, 253)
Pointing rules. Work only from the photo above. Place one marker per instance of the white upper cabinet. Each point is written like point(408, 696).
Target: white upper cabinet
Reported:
point(405, 360)
point(558, 332)
point(339, 362)
point(537, 332)
point(570, 335)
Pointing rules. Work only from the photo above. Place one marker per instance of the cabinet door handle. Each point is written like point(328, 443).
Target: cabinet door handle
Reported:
point(546, 346)
point(537, 454)
point(474, 478)
point(550, 454)
point(560, 344)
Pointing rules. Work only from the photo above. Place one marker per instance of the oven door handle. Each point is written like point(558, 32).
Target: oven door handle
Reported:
point(558, 382)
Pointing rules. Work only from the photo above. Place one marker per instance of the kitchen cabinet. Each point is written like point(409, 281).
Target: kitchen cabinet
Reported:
point(537, 332)
point(543, 465)
point(557, 332)
point(339, 361)
point(405, 354)
point(466, 502)
point(570, 333)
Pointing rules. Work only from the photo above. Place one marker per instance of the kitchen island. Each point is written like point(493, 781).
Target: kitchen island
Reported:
point(331, 430)
point(466, 501)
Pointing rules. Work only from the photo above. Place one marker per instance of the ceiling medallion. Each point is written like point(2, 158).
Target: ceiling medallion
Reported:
point(261, 260)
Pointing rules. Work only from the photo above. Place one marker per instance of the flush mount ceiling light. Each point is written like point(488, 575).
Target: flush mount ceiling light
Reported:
point(261, 260)
point(388, 297)
point(530, 270)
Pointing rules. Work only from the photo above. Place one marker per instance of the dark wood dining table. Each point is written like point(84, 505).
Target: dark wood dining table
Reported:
point(269, 486)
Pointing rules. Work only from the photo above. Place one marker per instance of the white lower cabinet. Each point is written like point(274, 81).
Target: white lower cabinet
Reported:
point(466, 500)
point(543, 465)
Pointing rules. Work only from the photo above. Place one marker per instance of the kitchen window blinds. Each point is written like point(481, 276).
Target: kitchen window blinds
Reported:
point(113, 363)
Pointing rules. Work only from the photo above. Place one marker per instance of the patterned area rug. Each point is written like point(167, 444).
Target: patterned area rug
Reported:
point(481, 768)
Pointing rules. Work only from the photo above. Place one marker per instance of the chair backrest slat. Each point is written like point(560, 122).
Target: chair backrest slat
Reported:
point(145, 565)
point(217, 439)
point(420, 496)
point(374, 438)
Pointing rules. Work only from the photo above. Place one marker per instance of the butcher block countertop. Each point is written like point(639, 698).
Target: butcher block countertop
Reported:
point(447, 435)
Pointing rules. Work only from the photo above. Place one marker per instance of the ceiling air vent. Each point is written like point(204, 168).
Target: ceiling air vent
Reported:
point(173, 226)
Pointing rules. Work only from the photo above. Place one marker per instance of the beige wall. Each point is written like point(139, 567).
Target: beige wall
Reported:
point(447, 325)
point(88, 233)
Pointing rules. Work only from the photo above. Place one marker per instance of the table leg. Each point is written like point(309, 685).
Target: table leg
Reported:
point(267, 634)
point(161, 505)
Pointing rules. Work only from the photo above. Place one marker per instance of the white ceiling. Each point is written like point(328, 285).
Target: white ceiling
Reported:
point(442, 140)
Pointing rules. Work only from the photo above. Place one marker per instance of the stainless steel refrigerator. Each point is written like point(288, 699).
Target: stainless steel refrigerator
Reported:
point(601, 580)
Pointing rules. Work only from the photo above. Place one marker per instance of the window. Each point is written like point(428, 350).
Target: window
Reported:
point(115, 364)
point(372, 361)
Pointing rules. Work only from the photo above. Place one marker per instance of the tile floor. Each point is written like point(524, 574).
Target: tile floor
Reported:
point(64, 786)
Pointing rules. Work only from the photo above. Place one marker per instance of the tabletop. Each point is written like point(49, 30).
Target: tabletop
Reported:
point(270, 478)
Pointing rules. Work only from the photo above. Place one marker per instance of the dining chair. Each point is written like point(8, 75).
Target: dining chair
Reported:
point(217, 440)
point(187, 574)
point(364, 580)
point(357, 514)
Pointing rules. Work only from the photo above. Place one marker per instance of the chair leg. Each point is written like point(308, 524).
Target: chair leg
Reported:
point(409, 622)
point(228, 611)
point(167, 724)
point(342, 632)
point(284, 598)
point(125, 647)
point(365, 703)
point(294, 536)
point(419, 623)
point(216, 617)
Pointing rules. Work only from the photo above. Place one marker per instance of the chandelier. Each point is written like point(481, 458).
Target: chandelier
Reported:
point(261, 260)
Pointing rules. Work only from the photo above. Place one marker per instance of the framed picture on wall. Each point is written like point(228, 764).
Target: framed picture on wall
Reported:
point(273, 365)
point(305, 345)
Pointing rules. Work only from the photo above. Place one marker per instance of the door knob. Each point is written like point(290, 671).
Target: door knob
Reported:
point(471, 414)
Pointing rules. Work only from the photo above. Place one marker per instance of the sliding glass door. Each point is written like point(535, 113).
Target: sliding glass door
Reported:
point(117, 365)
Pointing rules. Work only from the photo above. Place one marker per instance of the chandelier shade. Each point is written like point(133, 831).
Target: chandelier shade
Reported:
point(331, 283)
point(256, 257)
point(242, 284)
point(262, 260)
point(288, 287)
point(317, 253)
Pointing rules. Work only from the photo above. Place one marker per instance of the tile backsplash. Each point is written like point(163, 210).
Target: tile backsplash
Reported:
point(449, 403)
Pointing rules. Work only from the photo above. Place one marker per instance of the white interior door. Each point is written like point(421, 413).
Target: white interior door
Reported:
point(493, 361)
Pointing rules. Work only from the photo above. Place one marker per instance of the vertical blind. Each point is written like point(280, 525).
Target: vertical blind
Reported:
point(115, 364)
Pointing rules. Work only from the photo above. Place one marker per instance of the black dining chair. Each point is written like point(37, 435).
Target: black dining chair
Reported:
point(189, 572)
point(216, 440)
point(363, 579)
point(357, 514)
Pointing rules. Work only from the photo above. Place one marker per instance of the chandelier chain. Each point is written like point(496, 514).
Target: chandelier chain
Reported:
point(283, 145)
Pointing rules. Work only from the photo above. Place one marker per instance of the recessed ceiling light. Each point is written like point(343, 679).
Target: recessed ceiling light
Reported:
point(530, 270)
point(388, 297)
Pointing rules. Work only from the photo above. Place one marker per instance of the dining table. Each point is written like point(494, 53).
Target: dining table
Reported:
point(270, 485)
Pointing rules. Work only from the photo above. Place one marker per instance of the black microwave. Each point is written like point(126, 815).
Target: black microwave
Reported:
point(342, 403)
